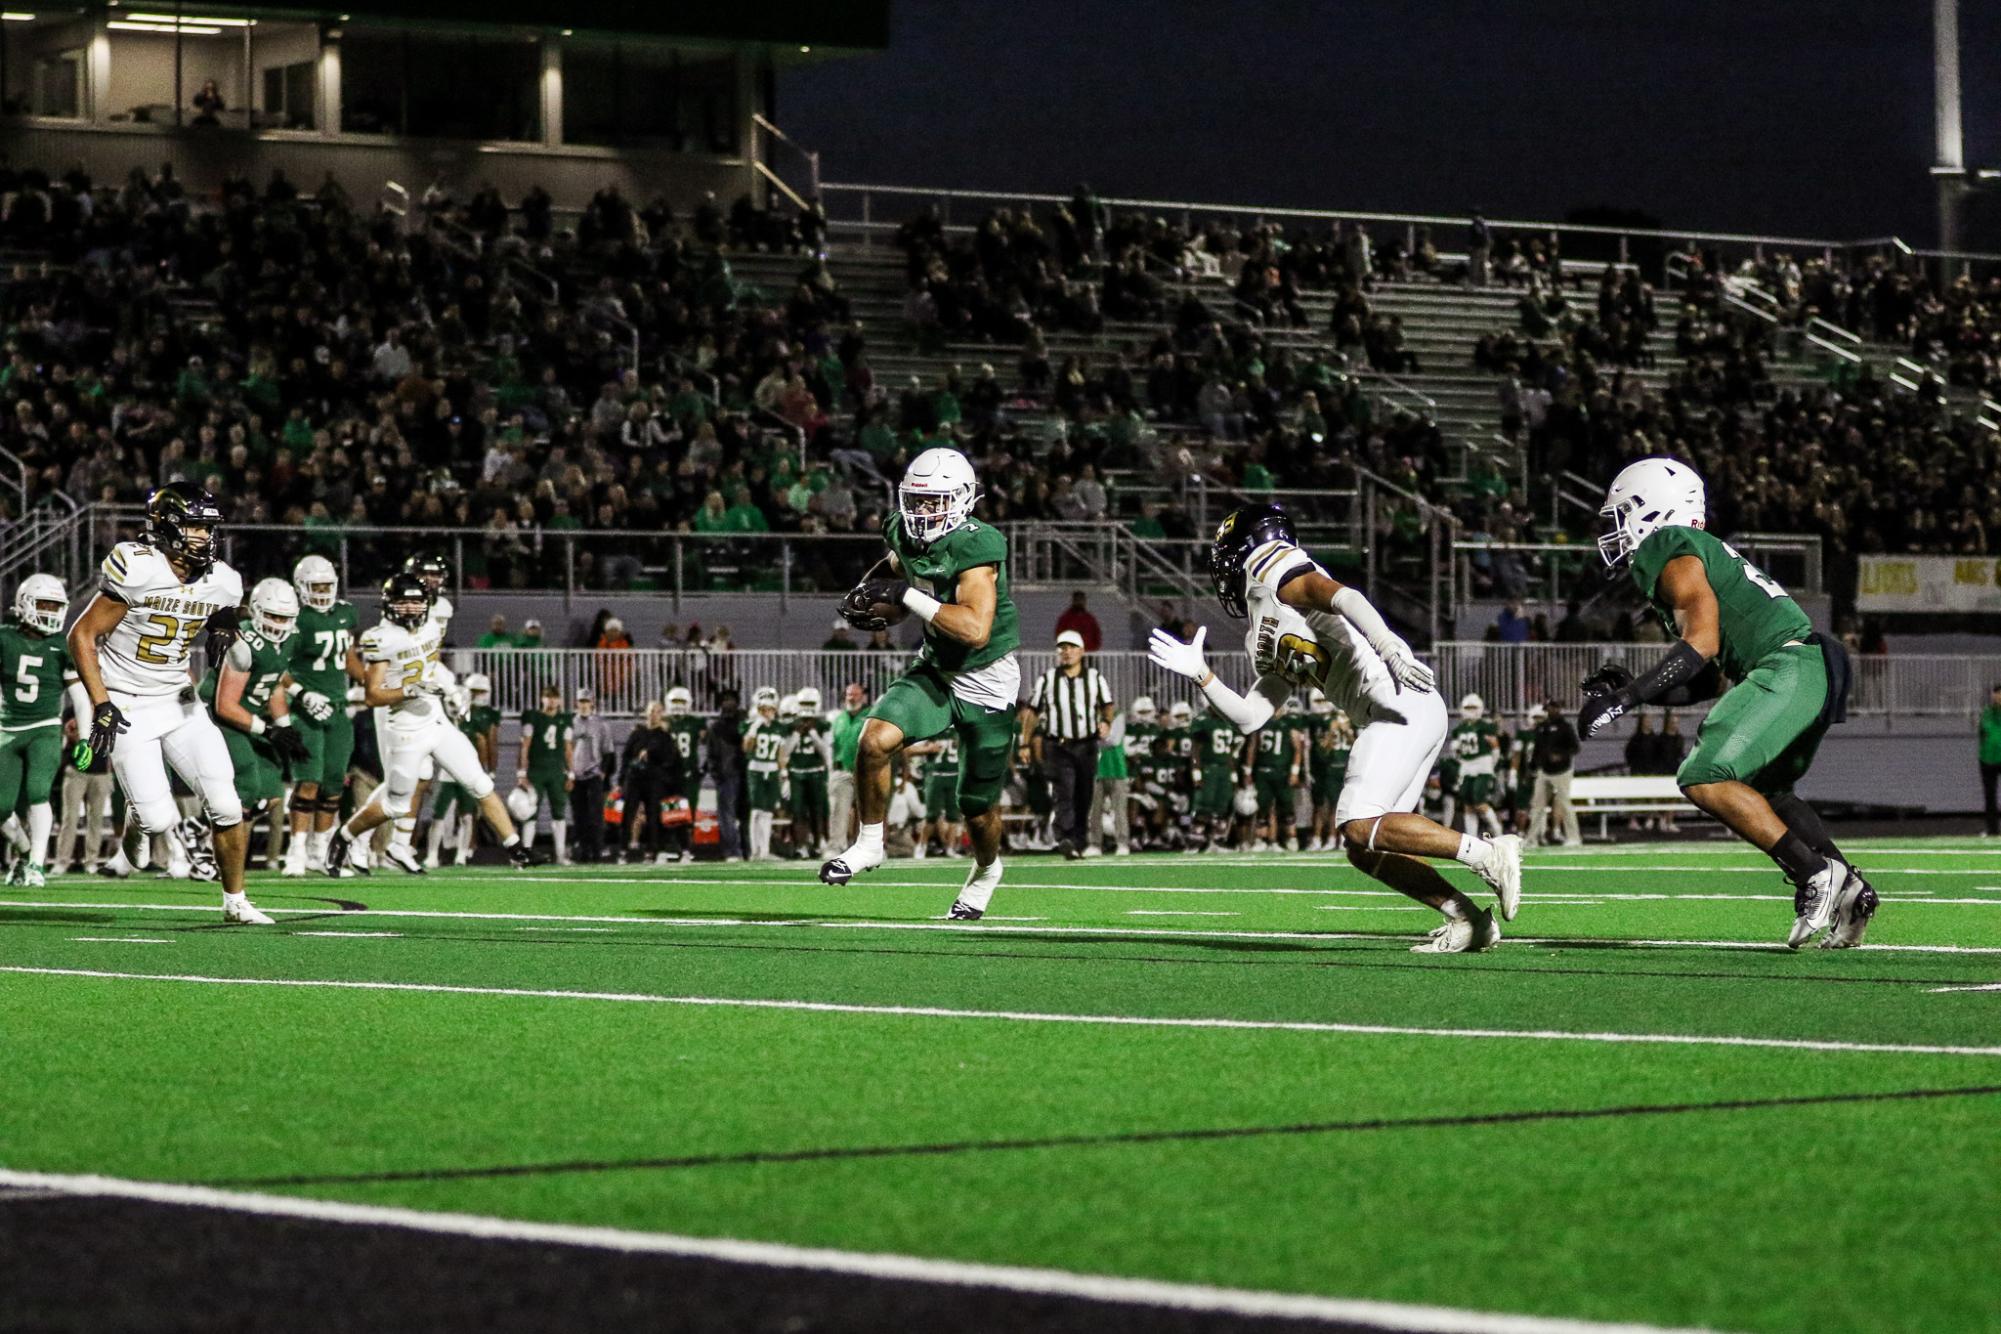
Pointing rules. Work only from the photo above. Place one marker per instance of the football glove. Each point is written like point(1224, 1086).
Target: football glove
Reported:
point(285, 740)
point(316, 706)
point(1405, 669)
point(1607, 680)
point(106, 722)
point(1177, 657)
point(858, 608)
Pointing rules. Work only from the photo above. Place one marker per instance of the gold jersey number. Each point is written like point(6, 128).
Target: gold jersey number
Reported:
point(172, 645)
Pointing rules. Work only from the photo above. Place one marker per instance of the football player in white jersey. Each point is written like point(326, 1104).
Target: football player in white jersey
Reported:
point(405, 681)
point(434, 572)
point(1308, 630)
point(131, 647)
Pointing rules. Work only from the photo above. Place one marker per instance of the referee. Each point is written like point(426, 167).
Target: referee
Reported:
point(1068, 714)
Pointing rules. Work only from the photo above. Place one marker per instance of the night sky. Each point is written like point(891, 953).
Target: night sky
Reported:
point(1731, 115)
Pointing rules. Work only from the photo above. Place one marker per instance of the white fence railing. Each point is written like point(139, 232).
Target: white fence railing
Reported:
point(1509, 677)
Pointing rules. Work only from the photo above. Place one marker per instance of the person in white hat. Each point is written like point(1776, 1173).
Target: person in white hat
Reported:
point(1069, 713)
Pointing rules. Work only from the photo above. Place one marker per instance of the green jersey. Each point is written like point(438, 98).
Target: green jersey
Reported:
point(479, 720)
point(1328, 745)
point(1214, 742)
point(1757, 617)
point(318, 650)
point(943, 762)
point(936, 568)
point(548, 735)
point(767, 742)
point(807, 756)
point(263, 661)
point(1271, 747)
point(1139, 740)
point(685, 731)
point(1473, 744)
point(33, 670)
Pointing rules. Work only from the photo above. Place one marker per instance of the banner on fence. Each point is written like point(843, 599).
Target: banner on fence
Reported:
point(1929, 584)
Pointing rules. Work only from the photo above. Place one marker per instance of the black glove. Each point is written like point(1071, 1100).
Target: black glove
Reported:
point(285, 739)
point(222, 628)
point(860, 607)
point(1607, 680)
point(1601, 709)
point(106, 722)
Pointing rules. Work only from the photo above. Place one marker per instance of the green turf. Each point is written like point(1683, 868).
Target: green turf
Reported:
point(1844, 1215)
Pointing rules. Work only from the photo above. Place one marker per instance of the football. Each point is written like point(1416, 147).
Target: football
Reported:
point(872, 615)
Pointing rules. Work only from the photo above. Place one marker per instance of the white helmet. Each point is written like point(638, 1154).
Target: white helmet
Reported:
point(679, 700)
point(809, 701)
point(788, 709)
point(477, 685)
point(316, 581)
point(1181, 713)
point(1143, 710)
point(522, 803)
point(1647, 496)
point(1472, 708)
point(274, 609)
point(42, 603)
point(937, 494)
point(1247, 801)
point(766, 697)
point(1536, 714)
point(1317, 702)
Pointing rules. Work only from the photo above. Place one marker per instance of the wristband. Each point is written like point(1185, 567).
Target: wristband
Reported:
point(257, 727)
point(923, 604)
point(286, 721)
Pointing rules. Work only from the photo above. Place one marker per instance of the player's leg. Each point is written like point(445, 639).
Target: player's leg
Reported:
point(444, 814)
point(915, 706)
point(986, 740)
point(197, 751)
point(1760, 737)
point(457, 759)
point(556, 800)
point(1377, 813)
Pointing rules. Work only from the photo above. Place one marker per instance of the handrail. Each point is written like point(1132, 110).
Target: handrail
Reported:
point(393, 200)
point(1428, 404)
point(781, 186)
point(1830, 327)
point(515, 264)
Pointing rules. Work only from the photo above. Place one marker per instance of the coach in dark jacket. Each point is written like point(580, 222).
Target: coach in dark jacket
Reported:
point(722, 752)
point(653, 773)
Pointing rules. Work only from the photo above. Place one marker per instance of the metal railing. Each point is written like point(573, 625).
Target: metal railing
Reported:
point(1511, 677)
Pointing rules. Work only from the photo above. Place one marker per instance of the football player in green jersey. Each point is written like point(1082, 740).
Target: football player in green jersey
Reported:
point(950, 569)
point(940, 793)
point(322, 664)
point(808, 757)
point(765, 732)
point(543, 766)
point(1142, 730)
point(1276, 766)
point(245, 695)
point(1781, 684)
point(455, 812)
point(35, 669)
point(1213, 745)
point(1331, 740)
point(1475, 742)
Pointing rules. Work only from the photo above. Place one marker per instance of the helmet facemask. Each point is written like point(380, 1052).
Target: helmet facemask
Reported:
point(929, 513)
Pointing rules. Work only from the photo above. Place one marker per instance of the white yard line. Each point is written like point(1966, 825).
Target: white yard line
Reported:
point(1104, 1288)
point(1984, 986)
point(989, 925)
point(1170, 912)
point(123, 940)
point(1024, 1016)
point(351, 935)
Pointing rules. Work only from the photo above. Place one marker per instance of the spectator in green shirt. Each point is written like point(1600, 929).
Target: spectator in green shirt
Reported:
point(744, 517)
point(844, 737)
point(496, 635)
point(712, 517)
point(1990, 757)
point(1148, 522)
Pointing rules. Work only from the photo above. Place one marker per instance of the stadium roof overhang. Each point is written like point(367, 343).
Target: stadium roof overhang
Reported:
point(793, 31)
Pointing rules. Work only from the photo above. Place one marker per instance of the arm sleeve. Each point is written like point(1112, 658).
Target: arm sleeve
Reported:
point(1247, 713)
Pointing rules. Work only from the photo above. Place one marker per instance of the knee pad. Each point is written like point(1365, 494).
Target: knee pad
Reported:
point(481, 789)
point(224, 810)
point(158, 815)
point(397, 804)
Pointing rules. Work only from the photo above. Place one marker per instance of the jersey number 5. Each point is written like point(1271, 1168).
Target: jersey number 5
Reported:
point(1757, 577)
point(31, 685)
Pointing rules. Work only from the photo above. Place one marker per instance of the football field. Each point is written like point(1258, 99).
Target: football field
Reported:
point(1201, 1091)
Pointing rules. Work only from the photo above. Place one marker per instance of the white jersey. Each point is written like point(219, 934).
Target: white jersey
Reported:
point(1303, 649)
point(441, 615)
point(412, 656)
point(146, 653)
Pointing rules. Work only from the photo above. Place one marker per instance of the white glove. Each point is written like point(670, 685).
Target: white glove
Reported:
point(458, 703)
point(1404, 667)
point(1179, 658)
point(316, 706)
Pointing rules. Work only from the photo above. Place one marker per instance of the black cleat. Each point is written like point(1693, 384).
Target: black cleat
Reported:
point(835, 872)
point(964, 912)
point(520, 858)
point(338, 865)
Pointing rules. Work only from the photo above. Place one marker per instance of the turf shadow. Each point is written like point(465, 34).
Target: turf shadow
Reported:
point(1198, 1135)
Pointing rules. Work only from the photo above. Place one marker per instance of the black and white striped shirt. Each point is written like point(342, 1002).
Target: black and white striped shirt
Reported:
point(1067, 707)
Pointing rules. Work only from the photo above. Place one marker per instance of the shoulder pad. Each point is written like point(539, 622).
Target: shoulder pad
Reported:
point(132, 569)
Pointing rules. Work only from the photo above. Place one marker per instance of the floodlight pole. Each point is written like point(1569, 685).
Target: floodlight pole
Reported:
point(1950, 169)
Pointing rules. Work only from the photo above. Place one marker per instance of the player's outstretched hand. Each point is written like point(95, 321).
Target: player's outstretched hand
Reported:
point(1607, 680)
point(315, 705)
point(1177, 657)
point(1405, 669)
point(285, 739)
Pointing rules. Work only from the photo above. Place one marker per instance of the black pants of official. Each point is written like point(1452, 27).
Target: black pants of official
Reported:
point(644, 795)
point(1073, 772)
point(587, 811)
point(1988, 774)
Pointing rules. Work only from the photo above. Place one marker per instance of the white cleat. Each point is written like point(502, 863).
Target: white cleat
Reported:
point(403, 859)
point(857, 859)
point(1813, 903)
point(242, 912)
point(34, 877)
point(293, 870)
point(1462, 935)
point(1503, 873)
point(1093, 850)
point(1854, 906)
